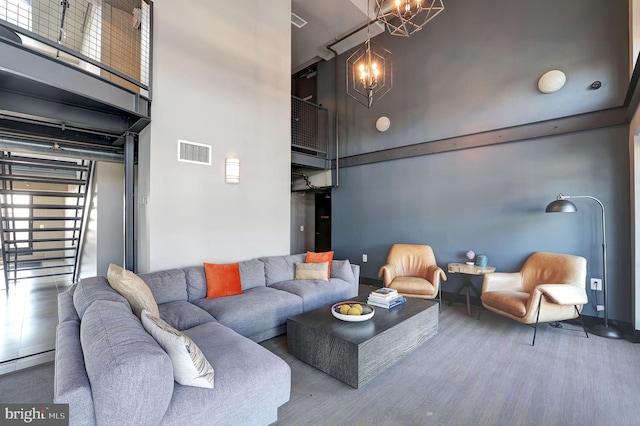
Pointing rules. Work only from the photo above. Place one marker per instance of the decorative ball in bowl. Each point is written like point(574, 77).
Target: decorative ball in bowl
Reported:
point(352, 311)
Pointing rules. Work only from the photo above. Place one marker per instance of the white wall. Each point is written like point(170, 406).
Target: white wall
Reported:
point(634, 195)
point(110, 185)
point(220, 77)
point(104, 238)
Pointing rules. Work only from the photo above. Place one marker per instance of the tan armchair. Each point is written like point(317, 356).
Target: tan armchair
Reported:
point(550, 287)
point(412, 270)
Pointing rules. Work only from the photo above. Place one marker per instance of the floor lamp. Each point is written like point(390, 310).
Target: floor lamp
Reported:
point(562, 205)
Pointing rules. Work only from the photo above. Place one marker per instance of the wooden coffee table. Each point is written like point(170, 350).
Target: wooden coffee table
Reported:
point(356, 352)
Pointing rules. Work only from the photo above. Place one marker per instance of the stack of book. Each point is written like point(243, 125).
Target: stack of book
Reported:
point(386, 298)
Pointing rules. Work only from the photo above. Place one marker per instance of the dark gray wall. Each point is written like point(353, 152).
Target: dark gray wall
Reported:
point(475, 68)
point(492, 200)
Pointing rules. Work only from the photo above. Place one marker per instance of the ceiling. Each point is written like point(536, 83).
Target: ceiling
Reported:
point(327, 21)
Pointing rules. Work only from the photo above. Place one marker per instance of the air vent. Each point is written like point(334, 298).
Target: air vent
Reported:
point(191, 152)
point(297, 21)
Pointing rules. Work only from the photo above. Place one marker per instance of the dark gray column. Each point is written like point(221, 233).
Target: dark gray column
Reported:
point(129, 202)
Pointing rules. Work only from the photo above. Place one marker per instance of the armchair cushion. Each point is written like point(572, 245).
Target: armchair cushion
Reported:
point(414, 285)
point(513, 302)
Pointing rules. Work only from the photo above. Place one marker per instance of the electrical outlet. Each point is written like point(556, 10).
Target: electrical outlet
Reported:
point(596, 284)
point(600, 308)
point(364, 258)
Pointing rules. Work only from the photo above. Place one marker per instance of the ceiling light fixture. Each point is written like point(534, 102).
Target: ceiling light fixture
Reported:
point(369, 71)
point(552, 81)
point(232, 170)
point(405, 17)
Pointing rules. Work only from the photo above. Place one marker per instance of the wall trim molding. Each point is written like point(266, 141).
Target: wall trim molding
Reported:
point(575, 123)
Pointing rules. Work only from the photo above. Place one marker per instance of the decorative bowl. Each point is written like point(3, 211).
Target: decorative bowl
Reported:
point(367, 312)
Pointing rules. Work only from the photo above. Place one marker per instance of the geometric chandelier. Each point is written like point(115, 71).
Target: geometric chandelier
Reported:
point(369, 72)
point(405, 17)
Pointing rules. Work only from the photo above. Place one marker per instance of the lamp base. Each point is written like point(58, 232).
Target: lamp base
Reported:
point(606, 331)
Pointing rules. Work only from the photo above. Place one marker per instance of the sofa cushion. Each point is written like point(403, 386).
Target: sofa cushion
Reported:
point(252, 274)
point(312, 271)
point(71, 384)
point(253, 311)
point(280, 268)
point(196, 282)
point(250, 382)
point(326, 256)
point(342, 269)
point(183, 315)
point(190, 366)
point(133, 289)
point(317, 293)
point(131, 376)
point(167, 286)
point(91, 289)
point(66, 310)
point(222, 279)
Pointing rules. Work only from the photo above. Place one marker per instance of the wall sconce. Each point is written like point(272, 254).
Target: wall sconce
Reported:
point(232, 170)
point(551, 81)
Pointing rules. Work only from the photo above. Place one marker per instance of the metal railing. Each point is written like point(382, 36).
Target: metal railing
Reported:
point(108, 38)
point(309, 127)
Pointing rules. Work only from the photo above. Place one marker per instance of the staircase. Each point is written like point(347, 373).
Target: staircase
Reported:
point(43, 206)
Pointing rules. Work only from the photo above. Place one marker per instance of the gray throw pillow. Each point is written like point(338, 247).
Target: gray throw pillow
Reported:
point(342, 269)
point(190, 366)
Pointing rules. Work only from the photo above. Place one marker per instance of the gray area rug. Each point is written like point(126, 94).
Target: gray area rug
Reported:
point(31, 385)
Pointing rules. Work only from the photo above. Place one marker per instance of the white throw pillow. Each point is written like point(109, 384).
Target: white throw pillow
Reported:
point(190, 366)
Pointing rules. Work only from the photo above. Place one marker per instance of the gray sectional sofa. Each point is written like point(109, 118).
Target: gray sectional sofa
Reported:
point(111, 371)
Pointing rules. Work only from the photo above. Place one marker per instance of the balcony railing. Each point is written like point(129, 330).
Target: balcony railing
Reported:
point(309, 128)
point(108, 38)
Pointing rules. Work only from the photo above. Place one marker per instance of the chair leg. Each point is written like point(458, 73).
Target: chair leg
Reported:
point(535, 330)
point(440, 297)
point(581, 321)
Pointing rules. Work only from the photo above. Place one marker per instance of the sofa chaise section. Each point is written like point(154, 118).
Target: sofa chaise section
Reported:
point(250, 382)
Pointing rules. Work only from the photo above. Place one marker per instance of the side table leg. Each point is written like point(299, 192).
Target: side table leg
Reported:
point(457, 292)
point(468, 297)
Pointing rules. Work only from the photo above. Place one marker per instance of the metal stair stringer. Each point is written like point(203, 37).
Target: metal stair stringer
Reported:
point(43, 206)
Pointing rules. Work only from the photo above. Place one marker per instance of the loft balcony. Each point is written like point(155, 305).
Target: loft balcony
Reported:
point(78, 71)
point(310, 164)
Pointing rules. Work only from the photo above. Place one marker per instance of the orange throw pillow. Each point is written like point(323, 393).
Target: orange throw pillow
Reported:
point(222, 280)
point(326, 256)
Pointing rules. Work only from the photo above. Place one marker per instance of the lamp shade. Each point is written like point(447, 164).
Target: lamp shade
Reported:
point(561, 206)
point(232, 170)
